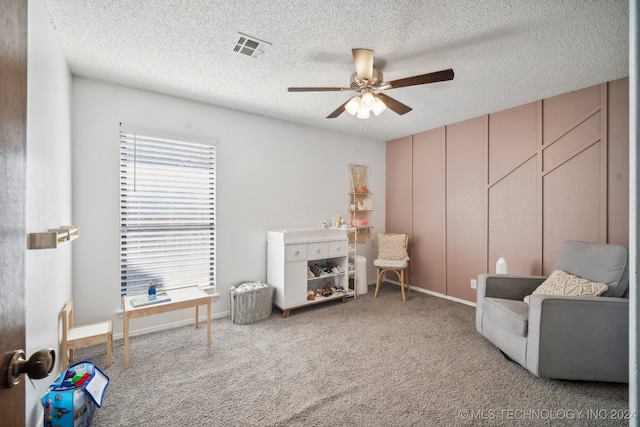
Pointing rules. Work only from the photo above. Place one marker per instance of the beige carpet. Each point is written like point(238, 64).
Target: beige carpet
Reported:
point(369, 362)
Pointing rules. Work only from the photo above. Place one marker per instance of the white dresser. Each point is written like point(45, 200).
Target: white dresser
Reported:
point(292, 251)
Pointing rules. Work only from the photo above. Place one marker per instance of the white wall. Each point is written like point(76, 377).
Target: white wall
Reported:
point(48, 271)
point(270, 174)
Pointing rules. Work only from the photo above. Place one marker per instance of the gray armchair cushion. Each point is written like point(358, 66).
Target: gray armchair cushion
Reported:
point(508, 286)
point(598, 262)
point(512, 314)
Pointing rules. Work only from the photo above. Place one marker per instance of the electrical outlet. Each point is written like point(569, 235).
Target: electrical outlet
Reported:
point(474, 283)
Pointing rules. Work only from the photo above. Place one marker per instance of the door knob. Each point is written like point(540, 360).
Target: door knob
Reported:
point(39, 365)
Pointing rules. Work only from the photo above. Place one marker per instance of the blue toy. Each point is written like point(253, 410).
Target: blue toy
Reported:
point(71, 401)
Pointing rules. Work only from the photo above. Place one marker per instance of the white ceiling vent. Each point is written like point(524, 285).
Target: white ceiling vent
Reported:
point(250, 46)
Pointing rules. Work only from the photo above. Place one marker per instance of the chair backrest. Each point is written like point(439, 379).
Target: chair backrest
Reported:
point(598, 262)
point(392, 246)
point(67, 317)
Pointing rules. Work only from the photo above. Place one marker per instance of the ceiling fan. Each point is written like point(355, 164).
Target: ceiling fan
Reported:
point(367, 81)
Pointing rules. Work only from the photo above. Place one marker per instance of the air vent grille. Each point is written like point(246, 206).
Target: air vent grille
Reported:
point(250, 46)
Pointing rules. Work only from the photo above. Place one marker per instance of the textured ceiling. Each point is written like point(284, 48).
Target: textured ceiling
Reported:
point(504, 52)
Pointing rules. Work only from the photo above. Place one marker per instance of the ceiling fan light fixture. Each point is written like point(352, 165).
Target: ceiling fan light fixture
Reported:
point(363, 113)
point(368, 100)
point(378, 106)
point(367, 81)
point(353, 106)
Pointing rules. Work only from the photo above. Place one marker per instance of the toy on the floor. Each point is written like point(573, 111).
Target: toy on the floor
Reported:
point(71, 400)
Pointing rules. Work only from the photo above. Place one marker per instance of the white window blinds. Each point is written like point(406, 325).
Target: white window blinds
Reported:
point(167, 212)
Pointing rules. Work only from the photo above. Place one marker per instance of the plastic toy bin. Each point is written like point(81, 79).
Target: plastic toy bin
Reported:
point(250, 302)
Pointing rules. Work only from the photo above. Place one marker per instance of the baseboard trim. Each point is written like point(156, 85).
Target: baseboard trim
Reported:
point(435, 294)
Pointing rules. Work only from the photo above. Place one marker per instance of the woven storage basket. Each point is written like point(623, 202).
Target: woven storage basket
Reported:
point(250, 302)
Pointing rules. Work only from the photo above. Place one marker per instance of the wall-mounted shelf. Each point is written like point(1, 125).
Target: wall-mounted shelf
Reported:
point(360, 204)
point(360, 210)
point(54, 237)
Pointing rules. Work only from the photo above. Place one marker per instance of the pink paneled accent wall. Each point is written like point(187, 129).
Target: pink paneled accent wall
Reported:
point(514, 219)
point(466, 206)
point(618, 168)
point(571, 204)
point(513, 139)
point(574, 171)
point(429, 222)
point(516, 183)
point(514, 193)
point(398, 189)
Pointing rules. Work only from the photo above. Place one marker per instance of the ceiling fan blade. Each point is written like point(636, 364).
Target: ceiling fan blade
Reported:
point(395, 106)
point(318, 89)
point(338, 110)
point(438, 76)
point(363, 60)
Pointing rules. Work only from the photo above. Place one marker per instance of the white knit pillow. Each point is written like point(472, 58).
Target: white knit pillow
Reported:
point(392, 246)
point(562, 283)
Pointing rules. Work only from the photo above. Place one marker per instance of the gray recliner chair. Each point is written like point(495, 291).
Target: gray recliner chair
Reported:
point(562, 337)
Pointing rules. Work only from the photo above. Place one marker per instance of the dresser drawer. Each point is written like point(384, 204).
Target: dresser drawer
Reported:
point(317, 250)
point(295, 252)
point(338, 248)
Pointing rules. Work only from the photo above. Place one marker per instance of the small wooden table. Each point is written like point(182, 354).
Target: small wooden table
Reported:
point(180, 299)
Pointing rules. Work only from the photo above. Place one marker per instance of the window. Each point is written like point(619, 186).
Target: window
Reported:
point(167, 212)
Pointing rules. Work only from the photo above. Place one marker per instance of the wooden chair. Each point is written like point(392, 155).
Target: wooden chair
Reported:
point(391, 257)
point(83, 336)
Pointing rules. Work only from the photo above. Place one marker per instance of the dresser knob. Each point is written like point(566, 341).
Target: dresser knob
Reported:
point(297, 253)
